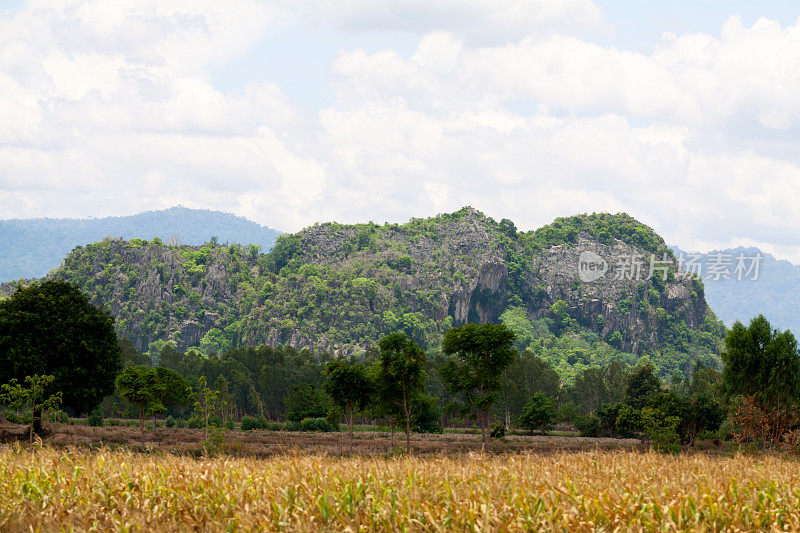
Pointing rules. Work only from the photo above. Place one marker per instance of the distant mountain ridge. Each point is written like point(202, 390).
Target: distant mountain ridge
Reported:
point(775, 292)
point(30, 248)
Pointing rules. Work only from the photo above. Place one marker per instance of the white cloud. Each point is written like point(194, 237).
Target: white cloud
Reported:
point(496, 21)
point(110, 109)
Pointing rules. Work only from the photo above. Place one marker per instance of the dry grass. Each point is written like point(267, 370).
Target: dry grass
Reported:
point(54, 489)
point(262, 443)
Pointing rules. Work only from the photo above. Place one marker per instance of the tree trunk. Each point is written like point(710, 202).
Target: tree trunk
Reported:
point(408, 424)
point(484, 422)
point(351, 422)
point(36, 422)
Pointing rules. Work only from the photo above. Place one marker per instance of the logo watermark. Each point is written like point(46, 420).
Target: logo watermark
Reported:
point(634, 266)
point(591, 266)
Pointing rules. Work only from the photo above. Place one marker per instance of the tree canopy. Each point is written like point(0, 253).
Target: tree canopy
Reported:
point(481, 354)
point(52, 328)
point(762, 362)
point(401, 377)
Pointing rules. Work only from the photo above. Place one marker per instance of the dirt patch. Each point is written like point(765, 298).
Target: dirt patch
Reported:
point(263, 443)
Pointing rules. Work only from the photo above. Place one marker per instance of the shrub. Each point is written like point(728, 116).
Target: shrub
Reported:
point(95, 418)
point(662, 430)
point(170, 422)
point(538, 413)
point(498, 432)
point(589, 426)
point(426, 414)
point(311, 424)
point(248, 423)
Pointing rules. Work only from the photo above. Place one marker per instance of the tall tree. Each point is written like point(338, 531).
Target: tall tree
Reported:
point(52, 328)
point(401, 377)
point(763, 364)
point(479, 355)
point(348, 386)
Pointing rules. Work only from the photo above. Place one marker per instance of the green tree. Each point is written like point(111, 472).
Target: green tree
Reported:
point(206, 402)
point(642, 384)
point(173, 389)
point(130, 355)
point(764, 365)
point(348, 386)
point(401, 377)
point(526, 375)
point(139, 385)
point(33, 397)
point(306, 400)
point(51, 328)
point(479, 355)
point(538, 413)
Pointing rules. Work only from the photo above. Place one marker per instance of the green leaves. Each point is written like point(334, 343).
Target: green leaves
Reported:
point(763, 363)
point(479, 355)
point(52, 328)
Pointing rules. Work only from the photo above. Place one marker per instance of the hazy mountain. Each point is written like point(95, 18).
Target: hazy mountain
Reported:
point(31, 248)
point(775, 291)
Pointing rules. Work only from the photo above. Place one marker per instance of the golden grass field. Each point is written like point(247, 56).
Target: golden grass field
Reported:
point(51, 488)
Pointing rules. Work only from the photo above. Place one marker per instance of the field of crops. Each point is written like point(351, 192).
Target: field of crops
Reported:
point(55, 488)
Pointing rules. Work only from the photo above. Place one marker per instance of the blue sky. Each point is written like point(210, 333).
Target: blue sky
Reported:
point(299, 56)
point(683, 114)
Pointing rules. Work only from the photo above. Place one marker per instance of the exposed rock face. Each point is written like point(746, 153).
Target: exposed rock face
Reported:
point(626, 279)
point(350, 285)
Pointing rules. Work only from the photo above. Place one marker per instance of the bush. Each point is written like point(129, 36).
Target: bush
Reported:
point(538, 413)
point(311, 424)
point(249, 423)
point(498, 432)
point(170, 422)
point(589, 426)
point(662, 430)
point(95, 418)
point(16, 418)
point(629, 421)
point(426, 414)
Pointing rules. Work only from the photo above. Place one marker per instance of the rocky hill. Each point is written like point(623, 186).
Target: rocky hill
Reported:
point(342, 287)
point(31, 248)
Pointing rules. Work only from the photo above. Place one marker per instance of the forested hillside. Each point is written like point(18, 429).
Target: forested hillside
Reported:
point(31, 248)
point(339, 288)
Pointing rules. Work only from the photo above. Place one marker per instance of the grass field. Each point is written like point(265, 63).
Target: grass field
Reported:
point(75, 488)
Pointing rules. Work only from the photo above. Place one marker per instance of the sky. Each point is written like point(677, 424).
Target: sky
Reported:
point(686, 114)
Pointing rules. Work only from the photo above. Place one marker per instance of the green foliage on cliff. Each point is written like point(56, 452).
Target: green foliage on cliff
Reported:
point(340, 288)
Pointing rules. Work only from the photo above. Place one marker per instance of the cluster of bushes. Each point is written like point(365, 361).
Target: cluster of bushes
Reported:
point(651, 412)
point(307, 424)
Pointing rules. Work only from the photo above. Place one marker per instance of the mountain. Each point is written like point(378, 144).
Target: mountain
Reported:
point(564, 289)
point(772, 288)
point(31, 248)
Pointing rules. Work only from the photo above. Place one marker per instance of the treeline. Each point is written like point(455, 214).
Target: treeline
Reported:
point(59, 351)
point(284, 384)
